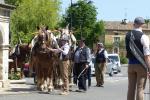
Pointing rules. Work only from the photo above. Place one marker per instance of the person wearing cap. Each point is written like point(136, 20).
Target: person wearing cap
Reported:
point(137, 75)
point(81, 63)
point(100, 64)
point(64, 63)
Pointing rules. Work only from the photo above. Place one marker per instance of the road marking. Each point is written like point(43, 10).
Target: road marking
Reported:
point(115, 78)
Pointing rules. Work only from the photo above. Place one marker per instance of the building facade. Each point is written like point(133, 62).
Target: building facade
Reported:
point(114, 38)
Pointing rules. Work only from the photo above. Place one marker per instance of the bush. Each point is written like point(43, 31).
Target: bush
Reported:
point(14, 76)
point(123, 60)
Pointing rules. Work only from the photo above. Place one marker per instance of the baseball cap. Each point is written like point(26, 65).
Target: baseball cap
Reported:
point(65, 37)
point(139, 20)
point(101, 44)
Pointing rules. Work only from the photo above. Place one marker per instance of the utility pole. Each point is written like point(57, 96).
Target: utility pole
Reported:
point(71, 16)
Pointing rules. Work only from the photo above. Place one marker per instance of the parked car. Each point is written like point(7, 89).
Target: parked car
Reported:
point(115, 57)
point(113, 64)
point(91, 64)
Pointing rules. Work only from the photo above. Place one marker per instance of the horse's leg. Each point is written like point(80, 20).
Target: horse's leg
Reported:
point(45, 78)
point(42, 79)
point(21, 70)
point(50, 75)
point(55, 75)
point(10, 69)
point(38, 73)
point(16, 65)
point(60, 74)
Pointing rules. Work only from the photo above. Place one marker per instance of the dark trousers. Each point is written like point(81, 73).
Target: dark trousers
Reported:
point(89, 76)
point(78, 68)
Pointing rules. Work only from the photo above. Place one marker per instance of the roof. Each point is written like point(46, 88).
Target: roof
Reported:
point(117, 25)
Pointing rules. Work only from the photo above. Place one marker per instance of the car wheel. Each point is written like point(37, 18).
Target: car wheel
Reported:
point(111, 73)
point(119, 71)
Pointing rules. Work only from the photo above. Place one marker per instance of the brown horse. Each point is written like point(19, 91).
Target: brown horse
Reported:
point(19, 57)
point(44, 61)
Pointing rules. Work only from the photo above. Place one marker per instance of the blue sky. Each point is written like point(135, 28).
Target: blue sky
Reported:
point(110, 10)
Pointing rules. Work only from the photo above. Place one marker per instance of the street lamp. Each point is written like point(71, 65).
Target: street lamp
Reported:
point(71, 16)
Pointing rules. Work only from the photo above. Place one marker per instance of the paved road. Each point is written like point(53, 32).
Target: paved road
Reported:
point(115, 88)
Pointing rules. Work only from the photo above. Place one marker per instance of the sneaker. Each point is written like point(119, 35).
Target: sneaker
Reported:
point(64, 93)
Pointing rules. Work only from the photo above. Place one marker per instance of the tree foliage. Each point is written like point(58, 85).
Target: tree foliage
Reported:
point(13, 2)
point(83, 14)
point(98, 31)
point(84, 22)
point(31, 13)
point(147, 21)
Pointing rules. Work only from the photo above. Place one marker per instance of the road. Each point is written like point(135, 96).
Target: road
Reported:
point(115, 88)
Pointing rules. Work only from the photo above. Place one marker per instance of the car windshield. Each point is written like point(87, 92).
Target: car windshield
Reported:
point(115, 58)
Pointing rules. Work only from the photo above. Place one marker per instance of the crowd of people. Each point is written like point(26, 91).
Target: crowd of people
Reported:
point(75, 60)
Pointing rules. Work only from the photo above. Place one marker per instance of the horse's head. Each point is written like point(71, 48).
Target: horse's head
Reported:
point(43, 41)
point(25, 48)
point(20, 51)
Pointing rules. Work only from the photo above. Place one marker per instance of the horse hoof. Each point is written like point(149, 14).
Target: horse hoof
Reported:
point(50, 89)
point(42, 88)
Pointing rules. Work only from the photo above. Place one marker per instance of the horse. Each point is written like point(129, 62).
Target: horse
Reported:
point(19, 55)
point(72, 42)
point(44, 61)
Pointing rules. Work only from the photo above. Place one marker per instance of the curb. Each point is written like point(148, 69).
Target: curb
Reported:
point(18, 89)
point(22, 81)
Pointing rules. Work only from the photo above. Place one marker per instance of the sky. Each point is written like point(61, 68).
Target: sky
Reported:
point(116, 10)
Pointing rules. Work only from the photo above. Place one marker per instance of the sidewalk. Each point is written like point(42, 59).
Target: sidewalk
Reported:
point(18, 87)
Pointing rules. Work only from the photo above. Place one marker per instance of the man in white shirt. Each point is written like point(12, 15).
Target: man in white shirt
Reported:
point(137, 74)
point(64, 63)
point(100, 64)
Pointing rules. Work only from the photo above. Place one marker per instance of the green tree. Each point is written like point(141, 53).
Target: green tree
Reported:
point(147, 21)
point(13, 2)
point(31, 13)
point(83, 14)
point(98, 31)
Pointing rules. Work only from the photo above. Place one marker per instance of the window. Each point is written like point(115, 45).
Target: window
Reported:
point(116, 39)
point(116, 44)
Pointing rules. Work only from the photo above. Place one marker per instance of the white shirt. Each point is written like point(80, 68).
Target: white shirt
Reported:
point(145, 42)
point(105, 53)
point(64, 50)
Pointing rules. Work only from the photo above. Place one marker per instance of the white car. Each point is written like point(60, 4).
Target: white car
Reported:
point(115, 57)
point(91, 64)
point(113, 64)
